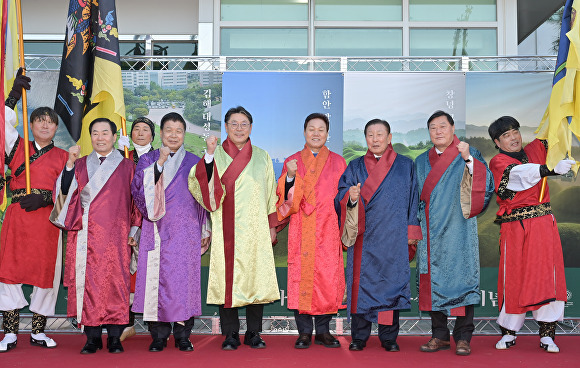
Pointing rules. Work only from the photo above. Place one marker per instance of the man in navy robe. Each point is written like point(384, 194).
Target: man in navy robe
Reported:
point(377, 205)
point(455, 185)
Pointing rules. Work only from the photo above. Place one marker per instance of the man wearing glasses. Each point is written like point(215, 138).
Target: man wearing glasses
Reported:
point(236, 184)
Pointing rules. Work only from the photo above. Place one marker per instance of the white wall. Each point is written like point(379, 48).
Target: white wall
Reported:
point(135, 16)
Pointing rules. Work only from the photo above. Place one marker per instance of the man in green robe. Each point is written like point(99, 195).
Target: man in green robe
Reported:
point(235, 182)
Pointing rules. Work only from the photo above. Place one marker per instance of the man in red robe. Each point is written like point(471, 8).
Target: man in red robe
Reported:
point(531, 267)
point(306, 191)
point(30, 251)
point(94, 204)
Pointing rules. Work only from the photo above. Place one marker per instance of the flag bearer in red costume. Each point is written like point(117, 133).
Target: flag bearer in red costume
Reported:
point(531, 269)
point(30, 251)
point(306, 192)
point(142, 135)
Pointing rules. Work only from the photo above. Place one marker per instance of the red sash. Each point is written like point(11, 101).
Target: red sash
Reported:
point(377, 171)
point(439, 164)
point(241, 158)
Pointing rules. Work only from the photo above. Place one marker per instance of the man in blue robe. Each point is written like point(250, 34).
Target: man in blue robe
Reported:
point(377, 205)
point(455, 185)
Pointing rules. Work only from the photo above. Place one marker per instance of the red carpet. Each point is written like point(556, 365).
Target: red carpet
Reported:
point(281, 353)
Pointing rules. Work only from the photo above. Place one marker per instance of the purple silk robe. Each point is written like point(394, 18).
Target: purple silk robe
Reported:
point(175, 294)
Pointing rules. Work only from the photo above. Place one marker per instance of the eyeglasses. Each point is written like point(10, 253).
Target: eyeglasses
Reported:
point(244, 126)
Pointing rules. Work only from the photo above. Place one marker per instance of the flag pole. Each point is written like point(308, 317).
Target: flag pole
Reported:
point(124, 129)
point(24, 101)
point(543, 189)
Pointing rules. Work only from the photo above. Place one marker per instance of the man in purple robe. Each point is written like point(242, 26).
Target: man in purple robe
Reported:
point(173, 237)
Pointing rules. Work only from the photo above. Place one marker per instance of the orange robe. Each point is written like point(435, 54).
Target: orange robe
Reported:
point(315, 258)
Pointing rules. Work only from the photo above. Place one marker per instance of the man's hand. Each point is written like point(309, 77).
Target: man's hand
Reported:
point(463, 148)
point(132, 241)
point(211, 142)
point(21, 81)
point(354, 193)
point(124, 141)
point(292, 167)
point(163, 155)
point(73, 155)
point(205, 242)
point(564, 166)
point(273, 234)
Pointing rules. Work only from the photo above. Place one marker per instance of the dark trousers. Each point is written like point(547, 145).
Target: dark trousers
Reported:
point(360, 328)
point(162, 330)
point(463, 329)
point(94, 332)
point(305, 326)
point(230, 320)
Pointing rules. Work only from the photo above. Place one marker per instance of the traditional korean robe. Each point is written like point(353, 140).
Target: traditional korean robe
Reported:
point(315, 257)
point(30, 246)
point(448, 255)
point(241, 198)
point(98, 213)
point(531, 269)
point(168, 273)
point(377, 271)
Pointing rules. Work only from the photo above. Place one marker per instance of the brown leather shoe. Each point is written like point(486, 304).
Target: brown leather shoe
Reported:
point(463, 348)
point(434, 345)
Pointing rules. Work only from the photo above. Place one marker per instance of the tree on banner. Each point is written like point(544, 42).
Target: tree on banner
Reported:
point(90, 84)
point(562, 116)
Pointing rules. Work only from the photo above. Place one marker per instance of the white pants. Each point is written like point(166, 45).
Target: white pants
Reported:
point(551, 312)
point(42, 301)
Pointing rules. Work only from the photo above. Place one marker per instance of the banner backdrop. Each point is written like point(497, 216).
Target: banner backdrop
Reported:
point(279, 102)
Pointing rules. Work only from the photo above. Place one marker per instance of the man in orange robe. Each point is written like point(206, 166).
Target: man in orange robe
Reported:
point(306, 192)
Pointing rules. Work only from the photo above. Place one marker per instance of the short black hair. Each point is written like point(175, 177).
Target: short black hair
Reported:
point(378, 121)
point(502, 125)
point(439, 113)
point(172, 116)
point(238, 110)
point(38, 113)
point(103, 120)
point(317, 115)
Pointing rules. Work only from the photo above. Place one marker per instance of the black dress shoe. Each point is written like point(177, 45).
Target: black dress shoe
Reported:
point(390, 345)
point(183, 344)
point(303, 341)
point(157, 345)
point(357, 345)
point(114, 344)
point(92, 346)
point(254, 340)
point(231, 342)
point(327, 340)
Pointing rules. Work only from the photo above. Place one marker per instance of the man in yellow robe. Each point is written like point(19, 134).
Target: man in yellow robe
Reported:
point(235, 182)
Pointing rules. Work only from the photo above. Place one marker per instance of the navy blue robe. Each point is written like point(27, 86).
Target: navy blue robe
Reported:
point(390, 220)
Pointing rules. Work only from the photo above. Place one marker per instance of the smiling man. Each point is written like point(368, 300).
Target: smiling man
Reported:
point(531, 269)
point(235, 182)
point(306, 191)
point(455, 185)
point(30, 249)
point(94, 204)
point(377, 205)
point(174, 235)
